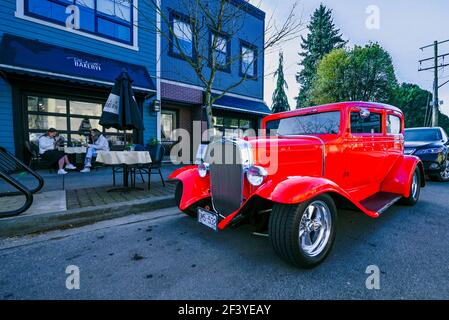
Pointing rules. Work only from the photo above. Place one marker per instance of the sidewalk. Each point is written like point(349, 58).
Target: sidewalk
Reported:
point(85, 199)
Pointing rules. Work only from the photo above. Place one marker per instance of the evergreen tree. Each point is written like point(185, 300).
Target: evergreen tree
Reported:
point(280, 101)
point(322, 38)
point(361, 74)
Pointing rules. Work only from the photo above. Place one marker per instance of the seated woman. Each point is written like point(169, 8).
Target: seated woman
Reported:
point(48, 151)
point(99, 143)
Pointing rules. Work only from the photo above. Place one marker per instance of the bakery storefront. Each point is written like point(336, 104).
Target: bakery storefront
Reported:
point(65, 89)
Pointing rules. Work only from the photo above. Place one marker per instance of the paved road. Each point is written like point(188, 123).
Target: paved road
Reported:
point(166, 255)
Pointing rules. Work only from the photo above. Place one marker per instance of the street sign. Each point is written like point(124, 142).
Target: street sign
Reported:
point(441, 103)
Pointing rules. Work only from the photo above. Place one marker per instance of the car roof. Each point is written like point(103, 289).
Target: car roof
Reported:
point(422, 128)
point(334, 106)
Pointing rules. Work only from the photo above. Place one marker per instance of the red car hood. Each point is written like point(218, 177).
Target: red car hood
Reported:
point(288, 156)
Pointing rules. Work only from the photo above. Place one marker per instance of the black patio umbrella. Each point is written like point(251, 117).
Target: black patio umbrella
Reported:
point(121, 111)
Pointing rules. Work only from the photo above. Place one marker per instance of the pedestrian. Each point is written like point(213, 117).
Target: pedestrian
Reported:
point(49, 152)
point(99, 143)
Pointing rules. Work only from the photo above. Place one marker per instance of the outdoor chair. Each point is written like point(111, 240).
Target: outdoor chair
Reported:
point(157, 154)
point(34, 159)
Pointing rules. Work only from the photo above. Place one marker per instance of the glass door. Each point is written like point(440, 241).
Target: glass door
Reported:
point(169, 123)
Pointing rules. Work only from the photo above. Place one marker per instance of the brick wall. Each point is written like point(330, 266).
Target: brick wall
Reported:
point(182, 94)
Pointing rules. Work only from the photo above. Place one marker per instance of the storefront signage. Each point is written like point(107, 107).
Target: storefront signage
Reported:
point(81, 63)
point(112, 103)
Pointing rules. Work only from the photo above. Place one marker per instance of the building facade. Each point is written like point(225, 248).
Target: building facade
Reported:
point(182, 95)
point(59, 59)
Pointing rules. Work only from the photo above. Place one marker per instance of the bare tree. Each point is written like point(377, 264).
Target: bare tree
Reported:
point(225, 19)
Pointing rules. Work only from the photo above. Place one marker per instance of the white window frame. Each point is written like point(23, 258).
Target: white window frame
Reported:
point(20, 14)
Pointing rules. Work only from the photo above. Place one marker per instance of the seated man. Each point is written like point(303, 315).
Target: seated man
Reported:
point(99, 143)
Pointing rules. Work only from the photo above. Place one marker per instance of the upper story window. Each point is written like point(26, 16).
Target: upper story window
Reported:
point(220, 51)
point(369, 124)
point(110, 19)
point(248, 60)
point(181, 43)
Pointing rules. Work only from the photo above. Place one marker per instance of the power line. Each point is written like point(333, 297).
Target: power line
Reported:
point(436, 67)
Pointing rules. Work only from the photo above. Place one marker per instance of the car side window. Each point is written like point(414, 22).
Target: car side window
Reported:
point(370, 124)
point(393, 124)
point(445, 137)
point(272, 127)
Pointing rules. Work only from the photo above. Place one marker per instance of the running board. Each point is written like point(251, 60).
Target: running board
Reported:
point(380, 201)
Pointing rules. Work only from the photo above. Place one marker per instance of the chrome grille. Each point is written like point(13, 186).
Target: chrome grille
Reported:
point(227, 180)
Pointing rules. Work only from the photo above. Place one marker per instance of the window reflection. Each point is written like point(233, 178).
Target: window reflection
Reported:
point(72, 118)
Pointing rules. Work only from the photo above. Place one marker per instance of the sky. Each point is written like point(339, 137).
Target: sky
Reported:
point(404, 27)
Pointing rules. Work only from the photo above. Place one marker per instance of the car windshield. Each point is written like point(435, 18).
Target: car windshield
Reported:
point(422, 135)
point(319, 123)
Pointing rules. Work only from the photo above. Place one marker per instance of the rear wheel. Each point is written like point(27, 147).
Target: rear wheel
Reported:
point(415, 189)
point(442, 176)
point(191, 211)
point(304, 234)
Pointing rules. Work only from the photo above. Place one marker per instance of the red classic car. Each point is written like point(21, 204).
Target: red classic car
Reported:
point(293, 177)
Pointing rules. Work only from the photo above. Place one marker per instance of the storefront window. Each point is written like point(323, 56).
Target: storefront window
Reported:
point(75, 124)
point(245, 124)
point(43, 122)
point(40, 104)
point(72, 118)
point(107, 18)
point(230, 125)
point(86, 108)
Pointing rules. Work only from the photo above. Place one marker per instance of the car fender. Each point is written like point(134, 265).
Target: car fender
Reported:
point(294, 190)
point(400, 176)
point(195, 188)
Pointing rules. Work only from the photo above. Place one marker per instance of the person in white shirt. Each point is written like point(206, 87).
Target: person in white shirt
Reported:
point(48, 151)
point(99, 143)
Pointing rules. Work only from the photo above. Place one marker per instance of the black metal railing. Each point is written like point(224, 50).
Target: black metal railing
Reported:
point(9, 165)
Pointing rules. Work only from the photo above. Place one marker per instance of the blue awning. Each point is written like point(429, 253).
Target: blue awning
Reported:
point(249, 105)
point(21, 55)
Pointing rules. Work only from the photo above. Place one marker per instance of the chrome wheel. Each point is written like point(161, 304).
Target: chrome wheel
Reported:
point(414, 188)
point(315, 228)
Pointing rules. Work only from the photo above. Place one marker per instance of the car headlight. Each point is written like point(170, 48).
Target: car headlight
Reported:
point(430, 150)
point(203, 168)
point(409, 151)
point(256, 175)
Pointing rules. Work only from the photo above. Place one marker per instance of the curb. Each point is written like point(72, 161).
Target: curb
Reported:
point(37, 223)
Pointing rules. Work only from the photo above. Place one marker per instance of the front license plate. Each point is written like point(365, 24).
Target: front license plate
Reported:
point(209, 219)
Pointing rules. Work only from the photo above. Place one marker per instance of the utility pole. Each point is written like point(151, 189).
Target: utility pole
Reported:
point(436, 101)
point(436, 57)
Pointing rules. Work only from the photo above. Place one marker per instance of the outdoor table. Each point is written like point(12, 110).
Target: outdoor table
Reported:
point(74, 150)
point(125, 159)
